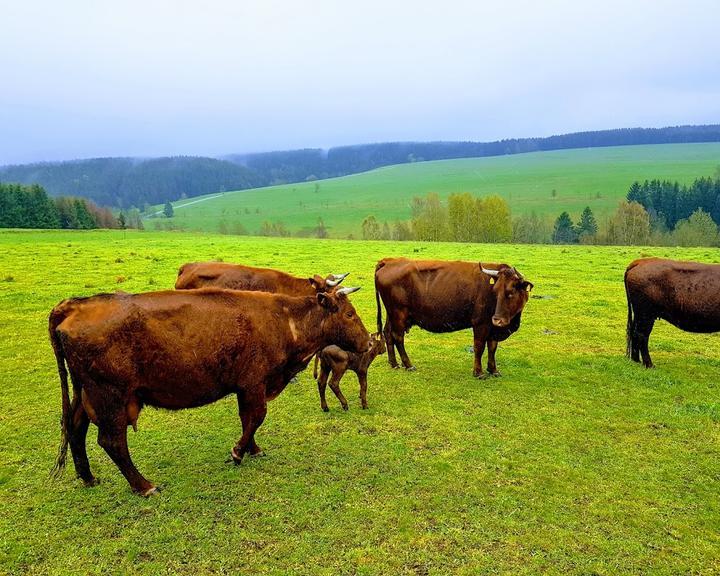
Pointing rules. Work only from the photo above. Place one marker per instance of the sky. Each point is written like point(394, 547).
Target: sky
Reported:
point(93, 78)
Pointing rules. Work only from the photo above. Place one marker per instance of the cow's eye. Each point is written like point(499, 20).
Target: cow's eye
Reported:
point(349, 314)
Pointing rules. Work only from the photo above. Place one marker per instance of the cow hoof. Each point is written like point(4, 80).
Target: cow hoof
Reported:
point(258, 454)
point(482, 376)
point(364, 407)
point(496, 375)
point(152, 491)
point(411, 369)
point(325, 408)
point(90, 483)
point(395, 367)
point(235, 457)
point(346, 407)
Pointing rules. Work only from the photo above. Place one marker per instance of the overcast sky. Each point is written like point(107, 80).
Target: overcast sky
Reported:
point(159, 77)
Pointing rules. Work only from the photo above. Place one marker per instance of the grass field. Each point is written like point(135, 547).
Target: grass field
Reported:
point(595, 177)
point(576, 461)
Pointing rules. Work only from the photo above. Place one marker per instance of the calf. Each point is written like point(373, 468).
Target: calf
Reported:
point(338, 361)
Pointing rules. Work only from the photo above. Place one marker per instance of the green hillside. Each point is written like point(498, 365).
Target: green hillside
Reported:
point(597, 177)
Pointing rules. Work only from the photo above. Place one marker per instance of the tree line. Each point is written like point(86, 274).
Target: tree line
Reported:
point(655, 212)
point(31, 207)
point(672, 215)
point(132, 182)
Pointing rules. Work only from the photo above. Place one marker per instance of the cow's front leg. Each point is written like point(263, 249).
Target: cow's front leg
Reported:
point(480, 335)
point(253, 408)
point(491, 366)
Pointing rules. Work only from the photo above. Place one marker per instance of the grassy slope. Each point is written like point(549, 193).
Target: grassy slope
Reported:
point(576, 461)
point(525, 180)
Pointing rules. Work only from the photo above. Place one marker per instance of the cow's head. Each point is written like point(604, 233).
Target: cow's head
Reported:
point(328, 283)
point(377, 343)
point(342, 325)
point(511, 293)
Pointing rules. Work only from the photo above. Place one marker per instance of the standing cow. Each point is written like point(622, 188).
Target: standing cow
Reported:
point(686, 294)
point(182, 349)
point(240, 277)
point(442, 296)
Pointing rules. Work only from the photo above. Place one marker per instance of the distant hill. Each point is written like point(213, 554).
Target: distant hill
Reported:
point(545, 183)
point(125, 182)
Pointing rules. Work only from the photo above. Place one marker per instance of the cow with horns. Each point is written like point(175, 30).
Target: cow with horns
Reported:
point(182, 349)
point(241, 277)
point(441, 296)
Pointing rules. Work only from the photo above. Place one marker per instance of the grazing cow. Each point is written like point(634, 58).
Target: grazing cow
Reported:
point(441, 296)
point(239, 277)
point(181, 349)
point(686, 294)
point(337, 361)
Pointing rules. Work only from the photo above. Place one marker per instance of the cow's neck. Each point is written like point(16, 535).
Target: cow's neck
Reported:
point(307, 327)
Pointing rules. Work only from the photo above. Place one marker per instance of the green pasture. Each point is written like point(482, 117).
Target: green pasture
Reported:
point(576, 461)
point(595, 177)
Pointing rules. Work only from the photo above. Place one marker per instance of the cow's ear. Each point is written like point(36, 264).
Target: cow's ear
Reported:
point(326, 301)
point(316, 282)
point(528, 286)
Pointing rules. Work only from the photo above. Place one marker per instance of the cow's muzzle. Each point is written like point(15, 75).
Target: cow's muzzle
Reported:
point(499, 322)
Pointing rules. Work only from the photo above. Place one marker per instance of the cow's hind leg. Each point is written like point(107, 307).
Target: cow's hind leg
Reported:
point(491, 365)
point(322, 386)
point(390, 345)
point(643, 327)
point(400, 344)
point(335, 385)
point(78, 436)
point(112, 437)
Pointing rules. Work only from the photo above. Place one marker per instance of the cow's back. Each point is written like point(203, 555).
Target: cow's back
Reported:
point(685, 293)
point(439, 296)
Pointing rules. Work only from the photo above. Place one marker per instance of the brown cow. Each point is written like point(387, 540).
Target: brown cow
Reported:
point(442, 296)
point(337, 361)
point(181, 349)
point(686, 294)
point(240, 277)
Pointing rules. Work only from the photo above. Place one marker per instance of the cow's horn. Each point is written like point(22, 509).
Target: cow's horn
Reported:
point(348, 290)
point(337, 278)
point(489, 272)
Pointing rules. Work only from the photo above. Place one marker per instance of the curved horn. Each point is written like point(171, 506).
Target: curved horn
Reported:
point(489, 272)
point(337, 278)
point(348, 290)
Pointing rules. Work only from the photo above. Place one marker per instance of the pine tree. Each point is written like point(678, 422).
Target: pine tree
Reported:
point(564, 232)
point(168, 210)
point(588, 225)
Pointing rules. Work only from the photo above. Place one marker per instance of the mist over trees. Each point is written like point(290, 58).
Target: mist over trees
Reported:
point(128, 182)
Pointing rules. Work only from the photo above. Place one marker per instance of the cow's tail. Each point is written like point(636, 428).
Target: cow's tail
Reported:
point(377, 298)
point(630, 319)
point(56, 317)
